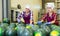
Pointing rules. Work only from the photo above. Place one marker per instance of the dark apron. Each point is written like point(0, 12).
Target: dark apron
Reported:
point(27, 18)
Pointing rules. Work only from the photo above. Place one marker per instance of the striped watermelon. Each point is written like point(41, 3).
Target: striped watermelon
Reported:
point(6, 20)
point(2, 31)
point(35, 27)
point(27, 32)
point(44, 30)
point(39, 32)
point(4, 25)
point(54, 27)
point(20, 30)
point(12, 25)
point(45, 27)
point(54, 33)
point(10, 32)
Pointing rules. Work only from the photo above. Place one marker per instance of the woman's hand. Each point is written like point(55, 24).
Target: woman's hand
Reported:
point(39, 22)
point(31, 21)
point(18, 20)
point(22, 20)
point(53, 22)
point(48, 23)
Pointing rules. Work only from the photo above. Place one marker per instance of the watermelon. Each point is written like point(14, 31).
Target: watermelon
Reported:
point(2, 31)
point(55, 27)
point(27, 32)
point(4, 25)
point(55, 30)
point(54, 33)
point(6, 20)
point(35, 27)
point(22, 22)
point(28, 26)
point(12, 25)
point(32, 28)
point(10, 32)
point(46, 28)
point(20, 30)
point(39, 32)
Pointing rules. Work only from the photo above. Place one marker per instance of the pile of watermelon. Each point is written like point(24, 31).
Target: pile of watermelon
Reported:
point(21, 29)
point(55, 30)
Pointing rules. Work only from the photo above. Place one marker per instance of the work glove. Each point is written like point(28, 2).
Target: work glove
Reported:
point(39, 22)
point(31, 25)
point(48, 23)
point(18, 20)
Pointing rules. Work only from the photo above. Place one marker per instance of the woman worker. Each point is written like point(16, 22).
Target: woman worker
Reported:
point(27, 16)
point(50, 17)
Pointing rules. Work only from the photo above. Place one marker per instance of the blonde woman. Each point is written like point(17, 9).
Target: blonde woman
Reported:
point(50, 16)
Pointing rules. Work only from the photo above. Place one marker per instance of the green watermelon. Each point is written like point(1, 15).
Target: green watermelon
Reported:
point(40, 32)
point(46, 28)
point(35, 27)
point(4, 25)
point(10, 32)
point(37, 34)
point(28, 26)
point(20, 30)
point(6, 20)
point(22, 22)
point(27, 32)
point(2, 31)
point(32, 28)
point(55, 27)
point(12, 25)
point(54, 33)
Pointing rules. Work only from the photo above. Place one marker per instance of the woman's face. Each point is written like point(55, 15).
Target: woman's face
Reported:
point(49, 9)
point(27, 10)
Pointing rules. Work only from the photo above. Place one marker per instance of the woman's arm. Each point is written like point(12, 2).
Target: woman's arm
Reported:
point(44, 17)
point(31, 18)
point(55, 16)
point(22, 17)
point(19, 16)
